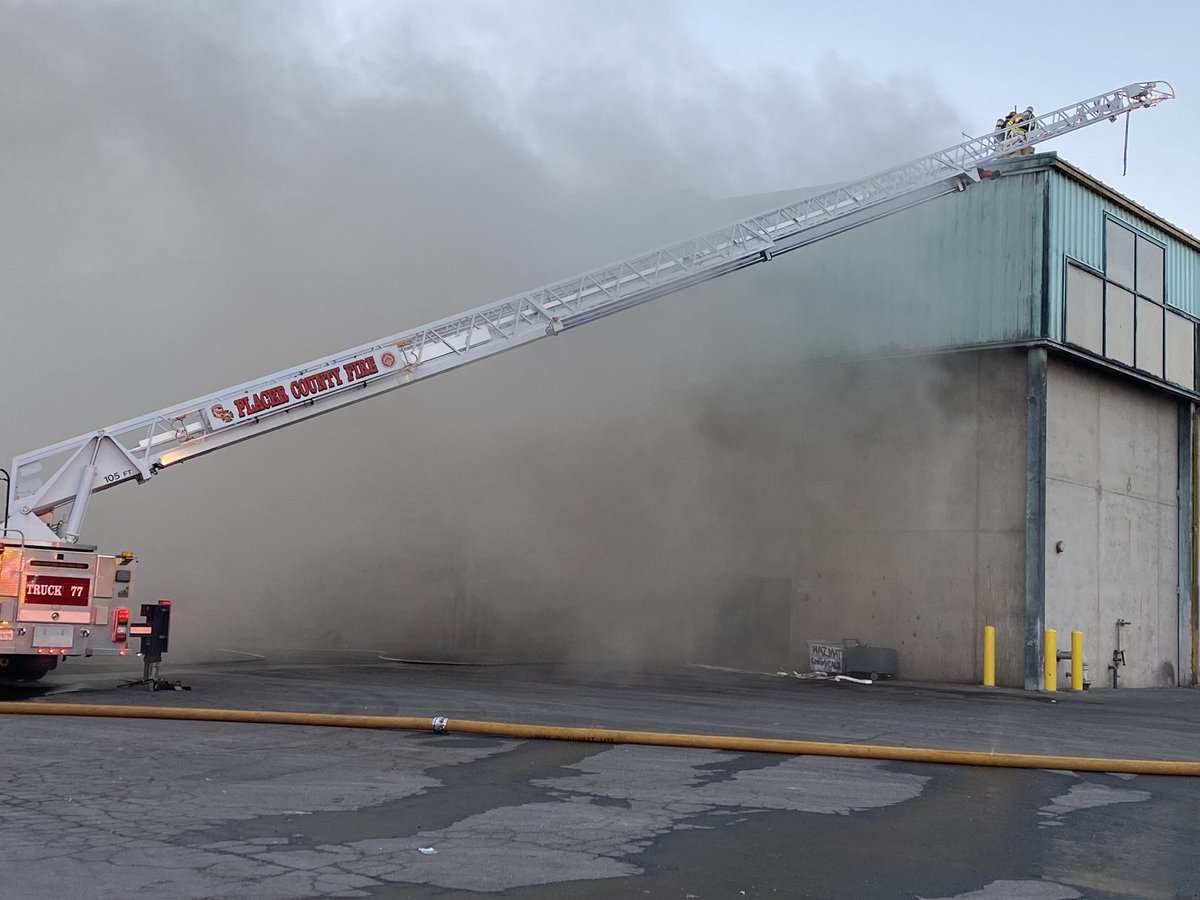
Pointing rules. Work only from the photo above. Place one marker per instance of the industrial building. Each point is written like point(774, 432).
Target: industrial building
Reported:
point(1014, 372)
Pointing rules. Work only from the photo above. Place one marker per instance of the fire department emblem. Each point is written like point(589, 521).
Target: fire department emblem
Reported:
point(388, 359)
point(221, 413)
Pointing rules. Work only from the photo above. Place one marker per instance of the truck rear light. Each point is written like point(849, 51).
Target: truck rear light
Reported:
point(10, 571)
point(120, 626)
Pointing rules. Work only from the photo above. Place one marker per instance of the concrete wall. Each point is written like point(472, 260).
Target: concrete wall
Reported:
point(1112, 473)
point(895, 507)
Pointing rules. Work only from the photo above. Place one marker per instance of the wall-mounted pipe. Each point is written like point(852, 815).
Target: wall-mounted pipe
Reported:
point(1078, 668)
point(1118, 657)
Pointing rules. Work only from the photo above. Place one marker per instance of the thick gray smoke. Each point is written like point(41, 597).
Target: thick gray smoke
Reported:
point(198, 194)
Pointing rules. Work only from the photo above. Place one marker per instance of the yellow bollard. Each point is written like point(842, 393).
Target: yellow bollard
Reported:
point(1051, 661)
point(989, 655)
point(1077, 660)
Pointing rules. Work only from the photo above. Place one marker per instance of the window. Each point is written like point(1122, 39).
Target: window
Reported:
point(1149, 350)
point(1181, 349)
point(1118, 324)
point(1085, 311)
point(1150, 270)
point(1119, 252)
point(1121, 313)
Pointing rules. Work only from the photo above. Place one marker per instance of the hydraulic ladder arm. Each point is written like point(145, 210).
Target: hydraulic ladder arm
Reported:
point(136, 449)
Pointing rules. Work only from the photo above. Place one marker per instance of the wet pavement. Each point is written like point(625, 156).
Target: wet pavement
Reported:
point(118, 808)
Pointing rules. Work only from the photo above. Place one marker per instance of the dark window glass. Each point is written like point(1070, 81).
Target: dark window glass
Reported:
point(1149, 337)
point(1149, 269)
point(1181, 350)
point(1118, 253)
point(1118, 324)
point(1085, 309)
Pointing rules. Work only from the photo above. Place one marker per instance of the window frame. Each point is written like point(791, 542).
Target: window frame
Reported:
point(1160, 372)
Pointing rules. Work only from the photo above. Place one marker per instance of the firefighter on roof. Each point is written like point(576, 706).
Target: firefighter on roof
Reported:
point(1016, 125)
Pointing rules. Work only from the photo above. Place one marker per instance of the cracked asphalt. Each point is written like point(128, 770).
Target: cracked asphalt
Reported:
point(93, 807)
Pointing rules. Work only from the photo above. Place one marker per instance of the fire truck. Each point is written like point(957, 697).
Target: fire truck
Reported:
point(60, 598)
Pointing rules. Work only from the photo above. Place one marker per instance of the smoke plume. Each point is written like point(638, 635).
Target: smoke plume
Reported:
point(197, 194)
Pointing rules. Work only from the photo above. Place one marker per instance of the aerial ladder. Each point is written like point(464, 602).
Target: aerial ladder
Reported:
point(49, 488)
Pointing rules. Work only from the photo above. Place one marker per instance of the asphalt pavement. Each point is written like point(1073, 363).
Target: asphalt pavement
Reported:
point(95, 807)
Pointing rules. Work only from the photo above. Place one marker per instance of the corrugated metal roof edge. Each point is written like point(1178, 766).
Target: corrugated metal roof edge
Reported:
point(1051, 160)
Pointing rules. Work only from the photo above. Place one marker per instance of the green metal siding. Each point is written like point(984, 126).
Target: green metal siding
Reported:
point(962, 270)
point(1076, 230)
point(1183, 277)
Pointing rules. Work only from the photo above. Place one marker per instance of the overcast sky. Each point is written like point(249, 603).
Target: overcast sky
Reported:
point(976, 59)
point(983, 58)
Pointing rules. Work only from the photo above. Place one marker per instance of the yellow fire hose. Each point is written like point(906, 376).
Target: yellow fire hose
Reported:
point(611, 736)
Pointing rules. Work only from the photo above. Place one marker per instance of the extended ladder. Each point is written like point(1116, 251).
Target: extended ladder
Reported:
point(136, 449)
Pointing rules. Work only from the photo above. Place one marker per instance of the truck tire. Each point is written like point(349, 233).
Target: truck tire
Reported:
point(26, 668)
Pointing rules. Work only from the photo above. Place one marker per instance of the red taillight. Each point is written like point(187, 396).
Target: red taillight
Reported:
point(120, 629)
